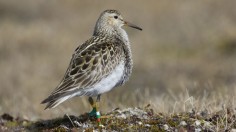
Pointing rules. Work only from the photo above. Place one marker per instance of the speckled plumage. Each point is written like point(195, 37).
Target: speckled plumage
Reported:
point(98, 65)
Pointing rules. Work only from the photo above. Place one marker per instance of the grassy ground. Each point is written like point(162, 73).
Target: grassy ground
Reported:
point(131, 119)
point(184, 58)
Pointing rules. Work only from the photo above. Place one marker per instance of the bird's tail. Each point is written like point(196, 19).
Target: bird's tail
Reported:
point(55, 99)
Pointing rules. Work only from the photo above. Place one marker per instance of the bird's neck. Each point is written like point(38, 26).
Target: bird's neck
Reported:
point(112, 33)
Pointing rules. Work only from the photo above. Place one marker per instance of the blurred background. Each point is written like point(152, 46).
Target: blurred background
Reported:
point(184, 58)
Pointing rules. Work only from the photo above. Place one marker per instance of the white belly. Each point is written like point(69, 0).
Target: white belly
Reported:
point(106, 84)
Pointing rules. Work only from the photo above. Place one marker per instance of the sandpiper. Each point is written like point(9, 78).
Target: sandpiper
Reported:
point(100, 64)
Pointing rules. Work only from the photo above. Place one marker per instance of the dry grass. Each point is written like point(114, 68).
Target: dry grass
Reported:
point(183, 59)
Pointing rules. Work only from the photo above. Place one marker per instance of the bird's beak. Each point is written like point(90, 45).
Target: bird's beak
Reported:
point(132, 25)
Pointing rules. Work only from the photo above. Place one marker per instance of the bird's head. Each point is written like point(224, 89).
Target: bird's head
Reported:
point(113, 19)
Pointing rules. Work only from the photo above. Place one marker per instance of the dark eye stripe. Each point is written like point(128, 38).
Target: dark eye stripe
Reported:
point(115, 17)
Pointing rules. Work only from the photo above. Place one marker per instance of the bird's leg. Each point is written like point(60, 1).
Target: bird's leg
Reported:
point(93, 112)
point(98, 115)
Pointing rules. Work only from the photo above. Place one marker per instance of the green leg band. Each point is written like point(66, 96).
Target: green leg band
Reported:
point(93, 112)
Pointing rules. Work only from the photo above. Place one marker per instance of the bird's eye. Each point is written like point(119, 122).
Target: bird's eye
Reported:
point(115, 17)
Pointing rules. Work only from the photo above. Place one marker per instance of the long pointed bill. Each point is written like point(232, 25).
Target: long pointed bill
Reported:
point(132, 25)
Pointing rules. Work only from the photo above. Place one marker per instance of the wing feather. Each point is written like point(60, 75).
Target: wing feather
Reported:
point(89, 64)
